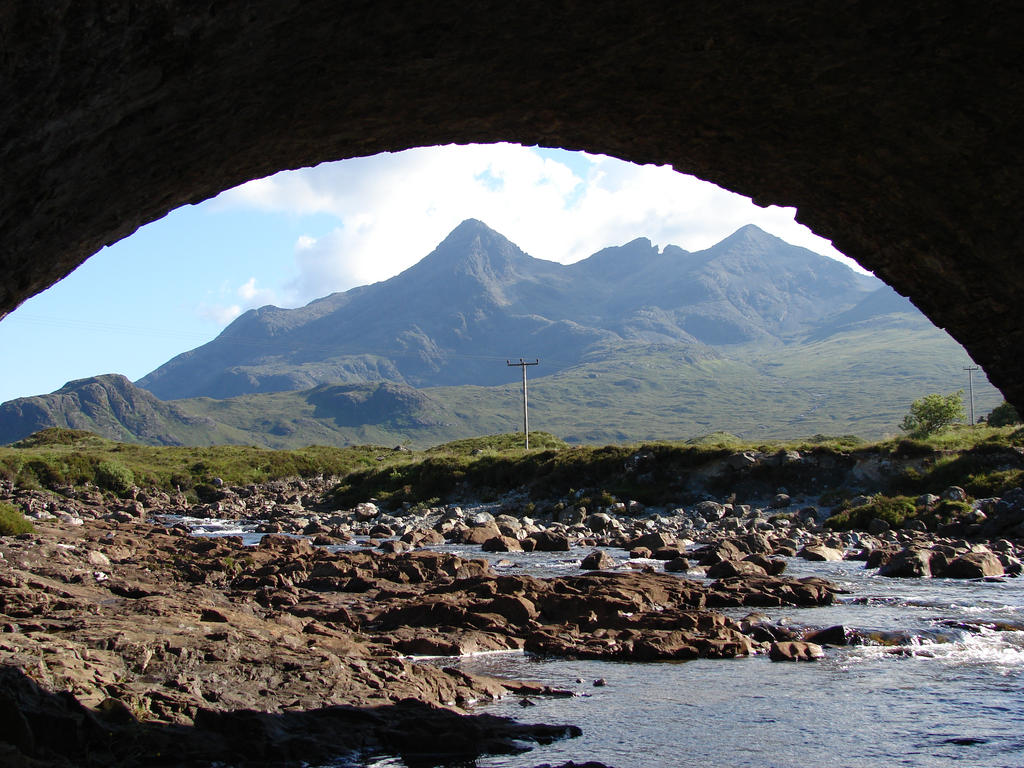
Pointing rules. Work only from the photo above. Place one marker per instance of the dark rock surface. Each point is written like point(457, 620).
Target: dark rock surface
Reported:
point(181, 651)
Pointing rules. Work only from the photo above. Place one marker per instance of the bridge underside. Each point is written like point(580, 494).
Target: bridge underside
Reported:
point(894, 129)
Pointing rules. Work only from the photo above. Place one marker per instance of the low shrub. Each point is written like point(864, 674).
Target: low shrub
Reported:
point(996, 483)
point(114, 476)
point(895, 510)
point(12, 522)
point(1003, 415)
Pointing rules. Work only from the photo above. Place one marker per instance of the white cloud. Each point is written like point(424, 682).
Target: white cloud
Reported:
point(394, 208)
point(253, 296)
point(220, 308)
point(217, 314)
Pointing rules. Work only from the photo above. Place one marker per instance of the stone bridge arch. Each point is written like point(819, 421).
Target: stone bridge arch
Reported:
point(892, 128)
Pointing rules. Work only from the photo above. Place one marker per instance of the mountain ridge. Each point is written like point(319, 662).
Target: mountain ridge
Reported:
point(477, 298)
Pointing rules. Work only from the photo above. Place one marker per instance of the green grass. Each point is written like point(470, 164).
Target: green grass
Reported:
point(12, 522)
point(59, 457)
point(985, 462)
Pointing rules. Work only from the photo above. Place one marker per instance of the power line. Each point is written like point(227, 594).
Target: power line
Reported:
point(526, 418)
point(970, 384)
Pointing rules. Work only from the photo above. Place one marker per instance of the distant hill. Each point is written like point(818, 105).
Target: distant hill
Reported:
point(752, 336)
point(108, 405)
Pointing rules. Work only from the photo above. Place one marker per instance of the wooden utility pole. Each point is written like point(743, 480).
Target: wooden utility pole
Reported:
point(970, 384)
point(526, 417)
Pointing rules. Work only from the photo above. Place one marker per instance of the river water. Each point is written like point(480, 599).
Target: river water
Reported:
point(943, 685)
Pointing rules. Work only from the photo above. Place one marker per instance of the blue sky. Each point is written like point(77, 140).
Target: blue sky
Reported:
point(298, 235)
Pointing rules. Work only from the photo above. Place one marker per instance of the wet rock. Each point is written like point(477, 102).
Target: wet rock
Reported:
point(795, 650)
point(836, 635)
point(502, 544)
point(668, 553)
point(394, 546)
point(1012, 566)
point(651, 541)
point(678, 565)
point(773, 566)
point(716, 553)
point(728, 568)
point(973, 565)
point(423, 537)
point(598, 560)
point(752, 590)
point(478, 534)
point(910, 563)
point(879, 556)
point(820, 553)
point(549, 541)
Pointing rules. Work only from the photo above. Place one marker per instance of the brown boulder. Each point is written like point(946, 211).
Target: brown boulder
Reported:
point(502, 544)
point(909, 563)
point(651, 541)
point(478, 534)
point(728, 568)
point(795, 650)
point(394, 546)
point(668, 553)
point(716, 553)
point(423, 537)
point(772, 565)
point(974, 565)
point(819, 553)
point(835, 635)
point(678, 565)
point(598, 560)
point(548, 541)
point(286, 545)
point(876, 558)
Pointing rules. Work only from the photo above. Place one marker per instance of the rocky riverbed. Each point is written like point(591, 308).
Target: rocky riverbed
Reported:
point(126, 640)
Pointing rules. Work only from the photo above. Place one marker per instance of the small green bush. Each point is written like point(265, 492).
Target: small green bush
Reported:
point(12, 522)
point(944, 513)
point(114, 476)
point(933, 413)
point(1003, 415)
point(895, 510)
point(996, 483)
